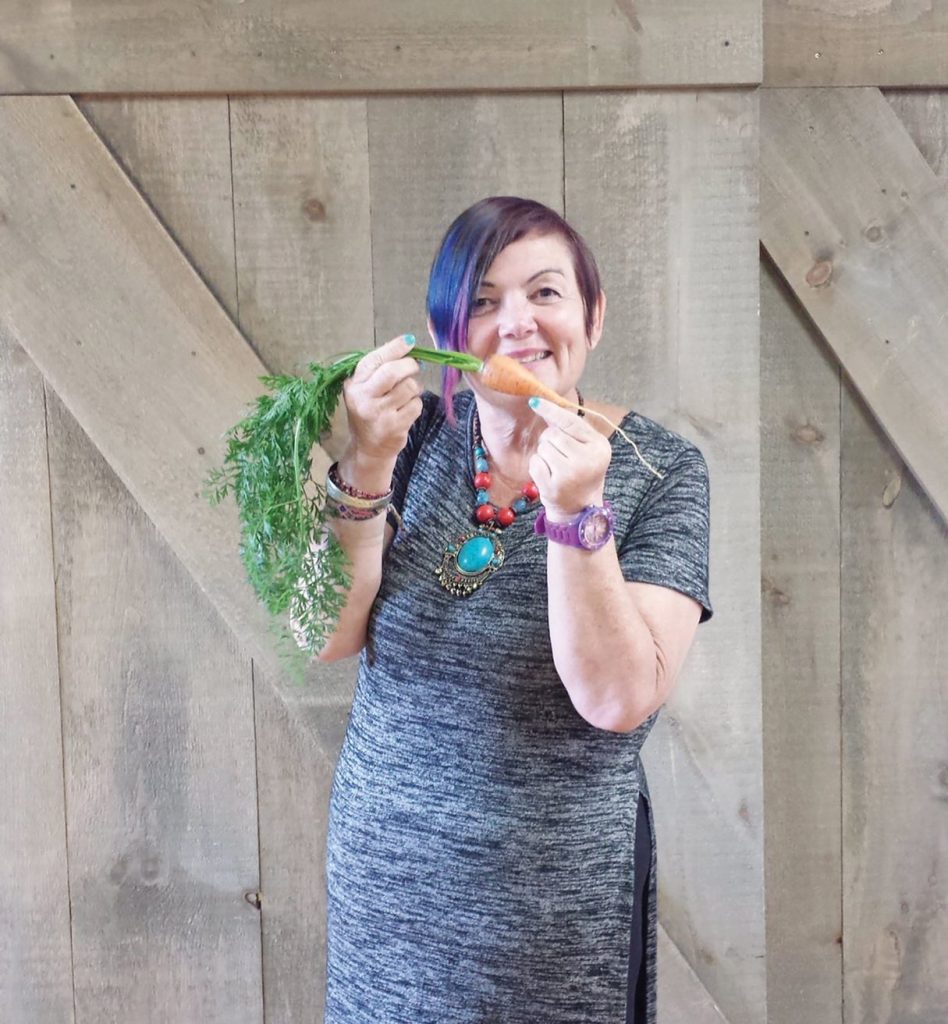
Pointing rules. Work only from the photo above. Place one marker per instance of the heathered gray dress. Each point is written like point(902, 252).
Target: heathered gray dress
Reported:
point(481, 833)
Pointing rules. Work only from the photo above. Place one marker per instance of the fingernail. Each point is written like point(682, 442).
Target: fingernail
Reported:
point(409, 339)
point(534, 402)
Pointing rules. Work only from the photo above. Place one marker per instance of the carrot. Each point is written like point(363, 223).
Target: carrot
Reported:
point(501, 373)
point(507, 375)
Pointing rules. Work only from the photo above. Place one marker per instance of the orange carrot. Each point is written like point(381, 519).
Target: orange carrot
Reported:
point(507, 375)
point(501, 373)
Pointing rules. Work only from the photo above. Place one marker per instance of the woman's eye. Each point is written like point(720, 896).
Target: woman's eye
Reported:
point(480, 304)
point(547, 293)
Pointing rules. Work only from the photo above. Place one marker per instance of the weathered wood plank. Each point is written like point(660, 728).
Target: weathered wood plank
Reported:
point(363, 45)
point(855, 42)
point(463, 148)
point(800, 593)
point(858, 225)
point(924, 115)
point(681, 996)
point(132, 341)
point(895, 720)
point(176, 151)
point(304, 274)
point(35, 941)
point(158, 763)
point(664, 189)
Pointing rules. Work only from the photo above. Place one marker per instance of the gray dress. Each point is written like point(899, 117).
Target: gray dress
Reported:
point(480, 850)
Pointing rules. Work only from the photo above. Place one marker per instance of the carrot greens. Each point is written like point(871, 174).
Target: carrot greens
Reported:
point(292, 559)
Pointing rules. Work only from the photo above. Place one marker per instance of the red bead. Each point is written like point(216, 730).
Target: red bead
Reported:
point(506, 516)
point(485, 513)
point(531, 491)
point(482, 481)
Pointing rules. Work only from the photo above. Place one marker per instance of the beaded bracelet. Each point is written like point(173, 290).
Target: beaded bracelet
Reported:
point(346, 494)
point(341, 510)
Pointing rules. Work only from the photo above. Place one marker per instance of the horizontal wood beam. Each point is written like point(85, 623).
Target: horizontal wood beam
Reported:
point(129, 336)
point(368, 46)
point(857, 224)
point(855, 42)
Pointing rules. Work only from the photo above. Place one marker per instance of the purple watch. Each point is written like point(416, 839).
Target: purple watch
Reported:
point(590, 529)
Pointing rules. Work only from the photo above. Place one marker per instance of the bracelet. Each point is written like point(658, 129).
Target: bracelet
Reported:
point(345, 494)
point(341, 510)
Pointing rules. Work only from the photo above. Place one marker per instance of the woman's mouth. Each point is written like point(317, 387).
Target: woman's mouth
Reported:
point(533, 357)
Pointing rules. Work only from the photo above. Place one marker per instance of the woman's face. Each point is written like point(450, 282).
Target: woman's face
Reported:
point(529, 307)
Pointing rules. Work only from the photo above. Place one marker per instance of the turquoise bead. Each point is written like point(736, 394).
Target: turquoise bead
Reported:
point(475, 555)
point(479, 452)
point(520, 505)
point(481, 466)
point(483, 497)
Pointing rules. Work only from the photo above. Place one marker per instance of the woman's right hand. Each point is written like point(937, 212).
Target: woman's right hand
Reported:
point(382, 400)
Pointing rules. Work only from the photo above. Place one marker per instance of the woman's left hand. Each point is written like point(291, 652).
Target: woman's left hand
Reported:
point(570, 463)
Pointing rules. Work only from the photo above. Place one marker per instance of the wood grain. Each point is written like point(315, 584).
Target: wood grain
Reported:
point(176, 152)
point(130, 338)
point(663, 186)
point(894, 722)
point(855, 42)
point(304, 275)
point(257, 47)
point(800, 597)
point(158, 764)
point(461, 149)
point(924, 115)
point(858, 225)
point(35, 940)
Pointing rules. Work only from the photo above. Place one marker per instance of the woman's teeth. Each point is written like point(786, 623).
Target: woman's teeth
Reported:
point(534, 358)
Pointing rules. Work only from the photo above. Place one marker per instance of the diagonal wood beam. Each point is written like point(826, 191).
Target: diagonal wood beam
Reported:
point(141, 353)
point(857, 223)
point(682, 996)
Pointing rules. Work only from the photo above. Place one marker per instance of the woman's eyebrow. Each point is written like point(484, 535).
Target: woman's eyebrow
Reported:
point(539, 273)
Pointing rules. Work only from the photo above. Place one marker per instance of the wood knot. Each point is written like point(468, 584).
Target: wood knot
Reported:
point(806, 433)
point(941, 781)
point(891, 491)
point(819, 274)
point(770, 589)
point(314, 210)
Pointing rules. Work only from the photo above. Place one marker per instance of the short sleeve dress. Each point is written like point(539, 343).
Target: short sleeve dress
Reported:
point(480, 848)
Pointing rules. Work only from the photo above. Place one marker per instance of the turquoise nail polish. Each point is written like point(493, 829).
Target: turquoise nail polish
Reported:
point(534, 402)
point(409, 339)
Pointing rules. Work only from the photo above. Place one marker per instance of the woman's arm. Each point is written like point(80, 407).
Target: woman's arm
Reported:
point(618, 646)
point(364, 542)
point(382, 402)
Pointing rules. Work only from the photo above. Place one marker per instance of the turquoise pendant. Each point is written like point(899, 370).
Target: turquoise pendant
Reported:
point(469, 560)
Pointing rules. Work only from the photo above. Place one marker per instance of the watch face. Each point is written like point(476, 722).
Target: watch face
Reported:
point(594, 530)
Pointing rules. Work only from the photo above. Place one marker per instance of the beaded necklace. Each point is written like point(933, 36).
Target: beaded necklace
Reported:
point(471, 558)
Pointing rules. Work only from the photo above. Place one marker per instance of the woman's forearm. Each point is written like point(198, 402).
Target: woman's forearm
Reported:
point(603, 649)
point(363, 541)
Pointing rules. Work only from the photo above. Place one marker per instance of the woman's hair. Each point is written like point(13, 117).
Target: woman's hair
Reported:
point(470, 246)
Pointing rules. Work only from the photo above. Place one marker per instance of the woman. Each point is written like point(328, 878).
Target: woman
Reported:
point(489, 853)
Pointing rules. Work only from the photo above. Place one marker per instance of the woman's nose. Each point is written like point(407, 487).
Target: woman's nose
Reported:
point(515, 318)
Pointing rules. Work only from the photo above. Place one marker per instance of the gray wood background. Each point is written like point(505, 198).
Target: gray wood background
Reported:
point(165, 785)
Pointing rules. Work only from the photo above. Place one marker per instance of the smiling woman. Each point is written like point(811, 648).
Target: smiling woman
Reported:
point(490, 855)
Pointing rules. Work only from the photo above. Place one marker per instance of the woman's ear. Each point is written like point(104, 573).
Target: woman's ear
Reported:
point(599, 314)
